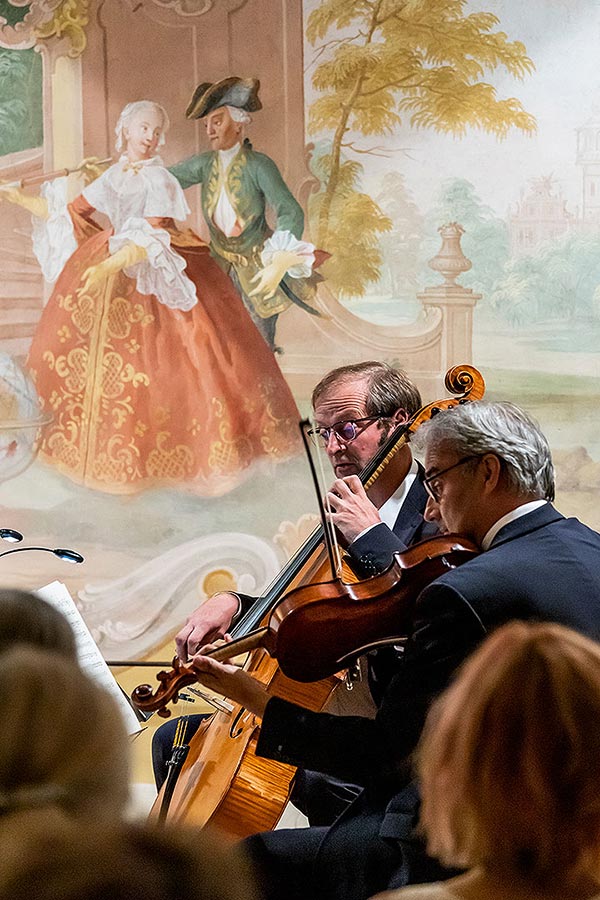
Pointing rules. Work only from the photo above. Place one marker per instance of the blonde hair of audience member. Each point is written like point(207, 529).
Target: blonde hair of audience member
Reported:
point(127, 862)
point(510, 765)
point(27, 619)
point(64, 751)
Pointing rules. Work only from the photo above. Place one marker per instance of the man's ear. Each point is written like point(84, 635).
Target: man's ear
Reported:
point(400, 416)
point(492, 470)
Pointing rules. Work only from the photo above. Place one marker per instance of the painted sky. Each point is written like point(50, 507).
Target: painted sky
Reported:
point(563, 39)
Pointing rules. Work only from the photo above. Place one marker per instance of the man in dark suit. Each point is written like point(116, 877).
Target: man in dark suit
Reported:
point(355, 409)
point(489, 475)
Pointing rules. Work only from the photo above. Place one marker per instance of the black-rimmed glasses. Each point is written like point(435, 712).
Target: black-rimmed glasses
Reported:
point(345, 432)
point(431, 485)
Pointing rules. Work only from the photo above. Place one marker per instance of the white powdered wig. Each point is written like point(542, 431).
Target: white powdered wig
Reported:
point(239, 115)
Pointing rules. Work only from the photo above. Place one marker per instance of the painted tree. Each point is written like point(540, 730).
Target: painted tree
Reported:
point(20, 100)
point(400, 245)
point(558, 284)
point(422, 63)
point(357, 223)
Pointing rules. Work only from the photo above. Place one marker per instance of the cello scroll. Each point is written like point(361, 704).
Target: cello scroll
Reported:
point(465, 382)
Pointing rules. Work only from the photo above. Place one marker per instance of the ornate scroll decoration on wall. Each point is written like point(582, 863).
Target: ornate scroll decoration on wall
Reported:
point(186, 7)
point(61, 20)
point(182, 13)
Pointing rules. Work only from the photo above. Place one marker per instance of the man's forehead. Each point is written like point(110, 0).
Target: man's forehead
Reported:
point(438, 456)
point(217, 113)
point(343, 398)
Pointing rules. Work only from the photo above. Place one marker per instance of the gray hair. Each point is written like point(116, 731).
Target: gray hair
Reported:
point(127, 114)
point(503, 429)
point(388, 389)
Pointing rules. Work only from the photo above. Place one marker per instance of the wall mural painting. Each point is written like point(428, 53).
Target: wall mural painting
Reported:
point(20, 100)
point(312, 183)
point(486, 114)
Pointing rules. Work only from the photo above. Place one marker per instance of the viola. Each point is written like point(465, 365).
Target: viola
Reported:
point(318, 629)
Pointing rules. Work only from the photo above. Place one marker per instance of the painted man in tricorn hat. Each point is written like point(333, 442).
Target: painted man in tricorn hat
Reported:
point(270, 269)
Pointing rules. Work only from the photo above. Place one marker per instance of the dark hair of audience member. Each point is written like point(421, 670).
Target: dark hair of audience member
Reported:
point(126, 862)
point(27, 619)
point(510, 759)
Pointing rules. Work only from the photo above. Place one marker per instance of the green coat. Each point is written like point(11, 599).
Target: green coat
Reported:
point(253, 183)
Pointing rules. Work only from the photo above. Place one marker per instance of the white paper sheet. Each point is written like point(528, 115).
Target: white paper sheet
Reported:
point(90, 658)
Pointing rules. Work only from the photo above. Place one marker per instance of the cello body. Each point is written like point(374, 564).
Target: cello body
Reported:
point(223, 782)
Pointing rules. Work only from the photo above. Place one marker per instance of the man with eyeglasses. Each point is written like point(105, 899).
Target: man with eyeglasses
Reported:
point(356, 407)
point(490, 476)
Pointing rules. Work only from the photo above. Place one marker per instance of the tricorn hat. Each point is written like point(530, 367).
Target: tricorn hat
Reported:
point(233, 91)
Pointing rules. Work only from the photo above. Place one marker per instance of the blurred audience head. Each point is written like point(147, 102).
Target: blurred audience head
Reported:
point(27, 619)
point(510, 758)
point(125, 862)
point(64, 749)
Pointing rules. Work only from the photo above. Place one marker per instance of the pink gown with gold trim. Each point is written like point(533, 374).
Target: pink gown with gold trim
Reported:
point(145, 395)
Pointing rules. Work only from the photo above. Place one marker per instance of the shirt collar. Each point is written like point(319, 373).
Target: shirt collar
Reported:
point(511, 516)
point(390, 509)
point(227, 156)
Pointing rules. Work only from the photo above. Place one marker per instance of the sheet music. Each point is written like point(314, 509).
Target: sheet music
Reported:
point(89, 656)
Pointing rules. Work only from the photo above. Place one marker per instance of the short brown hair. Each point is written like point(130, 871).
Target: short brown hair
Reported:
point(510, 757)
point(388, 389)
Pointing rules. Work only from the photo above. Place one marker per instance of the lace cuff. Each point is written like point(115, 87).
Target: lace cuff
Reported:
point(53, 238)
point(285, 240)
point(162, 272)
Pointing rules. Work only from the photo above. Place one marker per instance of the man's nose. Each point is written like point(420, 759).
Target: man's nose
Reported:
point(432, 511)
point(334, 442)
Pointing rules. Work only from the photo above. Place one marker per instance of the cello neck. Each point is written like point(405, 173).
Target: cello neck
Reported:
point(312, 553)
point(310, 550)
point(244, 644)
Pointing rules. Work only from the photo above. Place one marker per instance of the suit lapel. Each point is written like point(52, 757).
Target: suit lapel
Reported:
point(410, 517)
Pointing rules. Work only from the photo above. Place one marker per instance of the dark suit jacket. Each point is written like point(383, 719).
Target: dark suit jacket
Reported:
point(541, 566)
point(372, 553)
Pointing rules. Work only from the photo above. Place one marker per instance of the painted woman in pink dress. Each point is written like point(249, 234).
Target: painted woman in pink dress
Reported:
point(145, 354)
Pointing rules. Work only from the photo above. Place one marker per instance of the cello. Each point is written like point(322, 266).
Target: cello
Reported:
point(222, 781)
